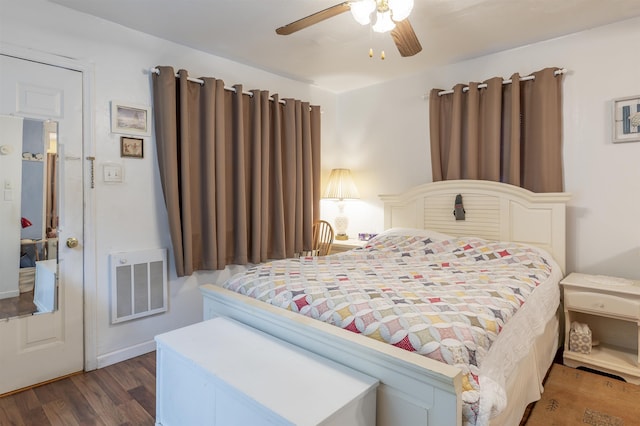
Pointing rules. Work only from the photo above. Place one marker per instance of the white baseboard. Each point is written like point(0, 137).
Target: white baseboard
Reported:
point(10, 293)
point(126, 353)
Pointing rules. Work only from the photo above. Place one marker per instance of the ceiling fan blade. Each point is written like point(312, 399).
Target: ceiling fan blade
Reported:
point(307, 21)
point(406, 39)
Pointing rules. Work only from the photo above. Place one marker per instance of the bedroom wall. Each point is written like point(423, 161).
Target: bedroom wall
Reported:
point(131, 215)
point(392, 155)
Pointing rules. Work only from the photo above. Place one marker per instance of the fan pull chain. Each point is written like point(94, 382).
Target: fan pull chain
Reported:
point(92, 171)
point(382, 55)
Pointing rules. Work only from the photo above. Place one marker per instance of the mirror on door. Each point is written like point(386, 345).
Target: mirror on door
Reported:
point(30, 229)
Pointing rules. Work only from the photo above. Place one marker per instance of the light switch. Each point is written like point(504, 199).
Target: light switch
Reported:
point(8, 190)
point(112, 173)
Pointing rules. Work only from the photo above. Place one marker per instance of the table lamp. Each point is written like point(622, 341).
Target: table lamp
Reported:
point(340, 187)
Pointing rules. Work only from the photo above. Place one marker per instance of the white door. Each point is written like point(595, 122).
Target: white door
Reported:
point(41, 347)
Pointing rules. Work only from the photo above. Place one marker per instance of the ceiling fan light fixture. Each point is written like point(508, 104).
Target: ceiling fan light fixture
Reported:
point(400, 9)
point(361, 10)
point(386, 19)
point(384, 22)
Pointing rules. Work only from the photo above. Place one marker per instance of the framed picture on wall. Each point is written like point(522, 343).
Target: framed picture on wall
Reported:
point(130, 119)
point(131, 147)
point(626, 119)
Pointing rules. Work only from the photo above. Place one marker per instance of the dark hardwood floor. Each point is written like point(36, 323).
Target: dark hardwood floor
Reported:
point(17, 306)
point(120, 394)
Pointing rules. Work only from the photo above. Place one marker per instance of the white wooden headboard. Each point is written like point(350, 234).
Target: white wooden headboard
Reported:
point(495, 211)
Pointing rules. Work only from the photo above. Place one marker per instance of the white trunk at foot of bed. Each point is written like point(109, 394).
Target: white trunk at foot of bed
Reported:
point(414, 390)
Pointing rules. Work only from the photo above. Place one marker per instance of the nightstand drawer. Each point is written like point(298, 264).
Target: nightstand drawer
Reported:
point(602, 303)
point(340, 246)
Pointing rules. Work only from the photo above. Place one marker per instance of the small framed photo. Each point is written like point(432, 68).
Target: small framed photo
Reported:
point(131, 147)
point(626, 119)
point(130, 119)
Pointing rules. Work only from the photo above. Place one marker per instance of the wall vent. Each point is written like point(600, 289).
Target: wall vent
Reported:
point(138, 284)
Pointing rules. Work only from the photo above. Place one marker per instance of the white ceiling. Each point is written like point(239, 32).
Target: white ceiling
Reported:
point(333, 54)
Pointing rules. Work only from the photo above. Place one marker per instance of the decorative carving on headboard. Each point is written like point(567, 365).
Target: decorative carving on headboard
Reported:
point(458, 208)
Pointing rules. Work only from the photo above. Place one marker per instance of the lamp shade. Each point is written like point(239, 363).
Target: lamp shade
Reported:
point(361, 10)
point(340, 186)
point(400, 9)
point(383, 22)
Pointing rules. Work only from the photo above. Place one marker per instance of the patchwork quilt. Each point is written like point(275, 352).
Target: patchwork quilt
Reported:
point(447, 299)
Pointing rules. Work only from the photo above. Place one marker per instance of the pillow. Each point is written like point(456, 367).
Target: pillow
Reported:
point(415, 232)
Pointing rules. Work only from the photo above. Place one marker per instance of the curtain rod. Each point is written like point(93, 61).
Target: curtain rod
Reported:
point(199, 81)
point(484, 85)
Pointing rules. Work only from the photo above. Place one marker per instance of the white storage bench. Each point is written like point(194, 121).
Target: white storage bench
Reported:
point(221, 372)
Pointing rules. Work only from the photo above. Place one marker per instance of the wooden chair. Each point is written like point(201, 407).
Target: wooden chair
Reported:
point(322, 238)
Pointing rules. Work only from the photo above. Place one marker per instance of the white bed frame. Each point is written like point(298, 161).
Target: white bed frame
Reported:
point(414, 390)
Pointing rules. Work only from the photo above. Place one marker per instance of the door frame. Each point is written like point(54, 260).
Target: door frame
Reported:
point(89, 282)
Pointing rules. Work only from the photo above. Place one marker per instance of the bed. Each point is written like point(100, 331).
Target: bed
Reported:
point(502, 223)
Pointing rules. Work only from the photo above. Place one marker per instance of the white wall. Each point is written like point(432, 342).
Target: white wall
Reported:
point(384, 138)
point(132, 215)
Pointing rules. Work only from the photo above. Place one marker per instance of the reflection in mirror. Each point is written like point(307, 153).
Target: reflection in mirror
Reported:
point(38, 222)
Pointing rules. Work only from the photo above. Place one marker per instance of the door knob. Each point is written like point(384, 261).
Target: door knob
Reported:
point(72, 242)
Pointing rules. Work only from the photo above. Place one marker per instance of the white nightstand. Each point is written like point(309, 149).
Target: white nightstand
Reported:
point(340, 246)
point(611, 308)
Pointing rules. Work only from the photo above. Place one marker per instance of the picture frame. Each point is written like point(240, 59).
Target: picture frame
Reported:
point(626, 119)
point(131, 147)
point(130, 119)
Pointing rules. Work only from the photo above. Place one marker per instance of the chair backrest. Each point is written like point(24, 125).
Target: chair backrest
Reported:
point(322, 238)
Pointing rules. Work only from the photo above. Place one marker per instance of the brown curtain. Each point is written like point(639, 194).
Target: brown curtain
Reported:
point(51, 218)
point(240, 173)
point(505, 132)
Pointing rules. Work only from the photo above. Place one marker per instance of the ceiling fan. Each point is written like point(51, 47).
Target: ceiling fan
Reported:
point(390, 15)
